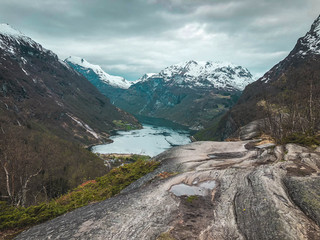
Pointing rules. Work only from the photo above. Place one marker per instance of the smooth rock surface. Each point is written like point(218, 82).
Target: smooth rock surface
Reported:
point(258, 195)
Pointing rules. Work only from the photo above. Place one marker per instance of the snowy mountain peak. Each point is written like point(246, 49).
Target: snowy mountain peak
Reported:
point(310, 43)
point(13, 34)
point(202, 74)
point(316, 26)
point(144, 77)
point(191, 63)
point(6, 29)
point(115, 81)
point(11, 40)
point(82, 62)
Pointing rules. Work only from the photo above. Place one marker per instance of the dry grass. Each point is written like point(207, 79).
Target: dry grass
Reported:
point(265, 139)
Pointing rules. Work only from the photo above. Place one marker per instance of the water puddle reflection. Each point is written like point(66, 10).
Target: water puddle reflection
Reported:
point(201, 189)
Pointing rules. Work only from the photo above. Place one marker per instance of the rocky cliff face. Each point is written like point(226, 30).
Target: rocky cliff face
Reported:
point(191, 93)
point(292, 79)
point(207, 190)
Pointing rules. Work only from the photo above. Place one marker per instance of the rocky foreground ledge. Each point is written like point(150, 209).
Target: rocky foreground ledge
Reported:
point(207, 190)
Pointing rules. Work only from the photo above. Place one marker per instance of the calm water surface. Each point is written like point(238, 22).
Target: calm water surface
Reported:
point(151, 140)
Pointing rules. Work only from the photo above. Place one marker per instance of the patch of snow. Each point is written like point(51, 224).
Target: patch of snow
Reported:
point(10, 49)
point(65, 64)
point(6, 29)
point(24, 60)
point(9, 35)
point(313, 44)
point(311, 41)
point(115, 81)
point(15, 35)
point(83, 125)
point(144, 77)
point(59, 103)
point(25, 72)
point(265, 79)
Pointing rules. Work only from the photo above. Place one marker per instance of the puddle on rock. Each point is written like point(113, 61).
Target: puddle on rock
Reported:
point(202, 189)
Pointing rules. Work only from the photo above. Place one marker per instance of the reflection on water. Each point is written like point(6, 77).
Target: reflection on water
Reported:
point(151, 140)
point(202, 189)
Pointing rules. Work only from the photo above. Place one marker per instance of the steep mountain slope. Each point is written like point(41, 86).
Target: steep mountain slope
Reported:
point(36, 85)
point(293, 83)
point(109, 85)
point(190, 93)
point(46, 109)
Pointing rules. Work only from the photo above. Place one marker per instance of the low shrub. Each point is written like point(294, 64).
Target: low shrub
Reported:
point(123, 125)
point(91, 191)
point(302, 139)
point(192, 198)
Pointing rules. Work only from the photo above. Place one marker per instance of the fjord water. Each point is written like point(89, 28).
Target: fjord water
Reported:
point(151, 140)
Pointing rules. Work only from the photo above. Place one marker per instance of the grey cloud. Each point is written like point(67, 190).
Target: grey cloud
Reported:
point(130, 38)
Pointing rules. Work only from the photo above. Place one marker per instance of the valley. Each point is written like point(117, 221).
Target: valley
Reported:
point(190, 93)
point(131, 139)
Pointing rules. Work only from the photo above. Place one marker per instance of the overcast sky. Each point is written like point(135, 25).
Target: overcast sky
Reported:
point(132, 37)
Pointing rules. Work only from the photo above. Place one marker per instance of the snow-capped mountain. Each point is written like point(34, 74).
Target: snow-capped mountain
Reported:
point(306, 46)
point(207, 74)
point(144, 77)
point(189, 93)
point(86, 69)
point(9, 33)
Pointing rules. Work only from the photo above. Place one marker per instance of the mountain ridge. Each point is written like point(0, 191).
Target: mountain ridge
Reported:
point(115, 81)
point(216, 74)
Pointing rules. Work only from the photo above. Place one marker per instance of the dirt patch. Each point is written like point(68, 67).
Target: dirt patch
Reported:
point(195, 214)
point(10, 234)
point(227, 155)
point(250, 145)
point(257, 163)
point(224, 166)
point(191, 149)
point(300, 170)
